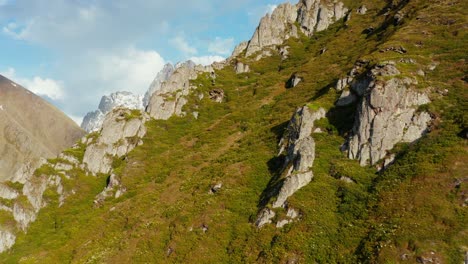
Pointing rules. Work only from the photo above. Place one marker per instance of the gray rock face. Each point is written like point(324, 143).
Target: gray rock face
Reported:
point(33, 189)
point(300, 147)
point(316, 15)
point(121, 132)
point(386, 115)
point(346, 98)
point(217, 95)
point(293, 81)
point(7, 240)
point(274, 29)
point(7, 192)
point(93, 120)
point(239, 49)
point(23, 216)
point(113, 188)
point(265, 217)
point(161, 77)
point(170, 98)
point(241, 68)
point(362, 10)
point(311, 15)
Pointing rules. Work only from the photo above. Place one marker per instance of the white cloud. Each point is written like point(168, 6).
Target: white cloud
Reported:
point(181, 44)
point(206, 60)
point(221, 46)
point(129, 70)
point(38, 85)
point(15, 31)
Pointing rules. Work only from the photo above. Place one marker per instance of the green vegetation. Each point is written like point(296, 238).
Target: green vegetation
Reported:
point(415, 207)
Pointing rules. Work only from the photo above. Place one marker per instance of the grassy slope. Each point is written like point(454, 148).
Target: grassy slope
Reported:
point(412, 208)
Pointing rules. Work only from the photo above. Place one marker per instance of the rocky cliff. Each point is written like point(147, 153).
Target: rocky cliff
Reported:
point(310, 15)
point(170, 96)
point(387, 113)
point(342, 189)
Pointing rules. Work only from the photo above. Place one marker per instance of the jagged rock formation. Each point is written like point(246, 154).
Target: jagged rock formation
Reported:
point(241, 68)
point(300, 152)
point(121, 132)
point(30, 129)
point(93, 120)
point(274, 29)
point(387, 114)
point(239, 49)
point(161, 77)
point(169, 99)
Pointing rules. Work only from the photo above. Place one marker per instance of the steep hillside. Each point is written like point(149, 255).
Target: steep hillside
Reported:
point(343, 143)
point(30, 128)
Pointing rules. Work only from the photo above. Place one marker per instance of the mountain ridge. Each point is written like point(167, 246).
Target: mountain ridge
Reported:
point(207, 168)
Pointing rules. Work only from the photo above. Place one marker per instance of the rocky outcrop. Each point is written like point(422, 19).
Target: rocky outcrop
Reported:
point(7, 240)
point(274, 29)
point(310, 15)
point(161, 77)
point(299, 159)
point(317, 15)
point(114, 188)
point(300, 152)
point(171, 96)
point(93, 120)
point(387, 114)
point(241, 68)
point(239, 49)
point(7, 192)
point(121, 132)
point(362, 10)
point(265, 217)
point(217, 95)
point(293, 81)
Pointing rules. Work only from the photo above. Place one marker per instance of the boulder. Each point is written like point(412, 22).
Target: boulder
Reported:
point(170, 97)
point(293, 81)
point(362, 10)
point(217, 95)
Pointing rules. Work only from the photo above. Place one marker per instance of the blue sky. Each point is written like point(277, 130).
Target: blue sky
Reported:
point(72, 52)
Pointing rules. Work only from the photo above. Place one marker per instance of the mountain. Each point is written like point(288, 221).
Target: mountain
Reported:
point(337, 134)
point(30, 129)
point(93, 120)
